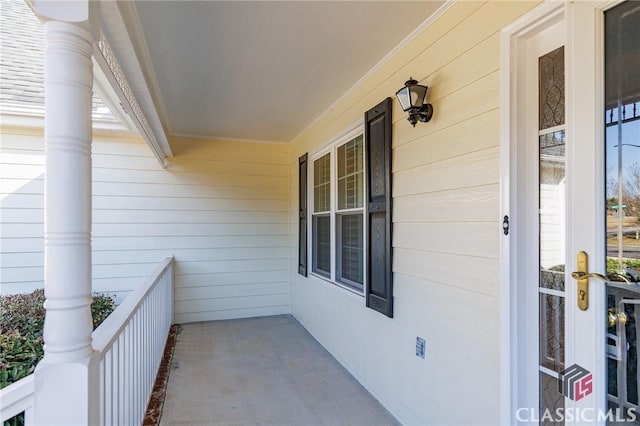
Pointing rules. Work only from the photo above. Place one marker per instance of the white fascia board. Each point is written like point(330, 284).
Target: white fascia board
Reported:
point(107, 94)
point(117, 58)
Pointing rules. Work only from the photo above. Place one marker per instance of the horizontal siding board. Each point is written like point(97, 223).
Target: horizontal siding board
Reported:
point(477, 239)
point(211, 267)
point(22, 216)
point(20, 287)
point(186, 242)
point(123, 270)
point(166, 203)
point(118, 148)
point(475, 204)
point(231, 303)
point(478, 275)
point(117, 162)
point(24, 186)
point(22, 230)
point(184, 216)
point(229, 278)
point(21, 171)
point(20, 275)
point(24, 259)
point(21, 158)
point(21, 245)
point(473, 310)
point(460, 139)
point(225, 314)
point(22, 201)
point(189, 255)
point(165, 177)
point(232, 290)
point(470, 170)
point(188, 229)
point(149, 190)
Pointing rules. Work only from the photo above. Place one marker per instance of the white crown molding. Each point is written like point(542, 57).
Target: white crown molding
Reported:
point(223, 138)
point(408, 39)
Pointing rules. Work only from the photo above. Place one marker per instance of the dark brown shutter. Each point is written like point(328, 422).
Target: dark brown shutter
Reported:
point(377, 132)
point(302, 215)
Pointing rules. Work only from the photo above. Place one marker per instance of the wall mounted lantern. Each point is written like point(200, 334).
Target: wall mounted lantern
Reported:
point(412, 99)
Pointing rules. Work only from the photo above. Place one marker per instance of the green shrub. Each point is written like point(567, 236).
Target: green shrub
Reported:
point(22, 312)
point(627, 263)
point(21, 322)
point(101, 307)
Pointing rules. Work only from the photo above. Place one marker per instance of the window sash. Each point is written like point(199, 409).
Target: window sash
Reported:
point(321, 231)
point(350, 249)
point(329, 209)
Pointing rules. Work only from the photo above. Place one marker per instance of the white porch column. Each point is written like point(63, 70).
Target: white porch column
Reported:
point(66, 381)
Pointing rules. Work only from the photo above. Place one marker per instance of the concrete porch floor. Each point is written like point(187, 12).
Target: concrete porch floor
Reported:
point(262, 371)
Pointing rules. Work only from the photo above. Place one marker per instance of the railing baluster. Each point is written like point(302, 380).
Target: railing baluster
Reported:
point(131, 346)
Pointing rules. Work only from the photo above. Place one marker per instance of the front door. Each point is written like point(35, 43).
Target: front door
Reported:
point(575, 217)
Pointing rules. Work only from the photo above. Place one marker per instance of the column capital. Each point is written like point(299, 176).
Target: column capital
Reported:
point(84, 13)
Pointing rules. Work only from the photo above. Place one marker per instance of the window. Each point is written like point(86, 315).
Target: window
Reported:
point(337, 242)
point(351, 227)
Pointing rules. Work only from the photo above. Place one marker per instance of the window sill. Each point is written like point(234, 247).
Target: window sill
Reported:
point(337, 284)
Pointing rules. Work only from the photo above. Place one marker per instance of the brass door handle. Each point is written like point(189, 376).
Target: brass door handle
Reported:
point(583, 275)
point(580, 275)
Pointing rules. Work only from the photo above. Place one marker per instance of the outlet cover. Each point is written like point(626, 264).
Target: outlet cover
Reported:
point(420, 347)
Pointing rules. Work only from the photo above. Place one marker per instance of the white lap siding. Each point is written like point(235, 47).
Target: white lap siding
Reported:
point(219, 207)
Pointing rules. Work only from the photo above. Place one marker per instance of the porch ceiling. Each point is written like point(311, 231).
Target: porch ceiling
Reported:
point(263, 70)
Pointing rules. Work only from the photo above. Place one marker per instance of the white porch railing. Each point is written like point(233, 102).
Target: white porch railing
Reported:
point(17, 398)
point(131, 343)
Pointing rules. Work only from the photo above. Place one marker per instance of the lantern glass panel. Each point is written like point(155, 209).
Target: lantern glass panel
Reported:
point(418, 93)
point(403, 97)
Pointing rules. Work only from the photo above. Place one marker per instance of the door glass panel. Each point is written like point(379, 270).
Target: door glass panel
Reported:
point(552, 220)
point(622, 139)
point(550, 399)
point(551, 100)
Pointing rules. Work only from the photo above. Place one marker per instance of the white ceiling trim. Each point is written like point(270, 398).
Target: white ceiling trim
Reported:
point(432, 18)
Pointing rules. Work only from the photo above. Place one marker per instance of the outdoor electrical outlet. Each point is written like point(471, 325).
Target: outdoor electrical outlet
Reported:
point(420, 347)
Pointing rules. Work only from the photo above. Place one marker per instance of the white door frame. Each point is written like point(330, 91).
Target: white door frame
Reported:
point(584, 117)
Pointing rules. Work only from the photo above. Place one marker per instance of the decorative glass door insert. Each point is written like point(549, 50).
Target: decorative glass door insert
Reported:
point(552, 219)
